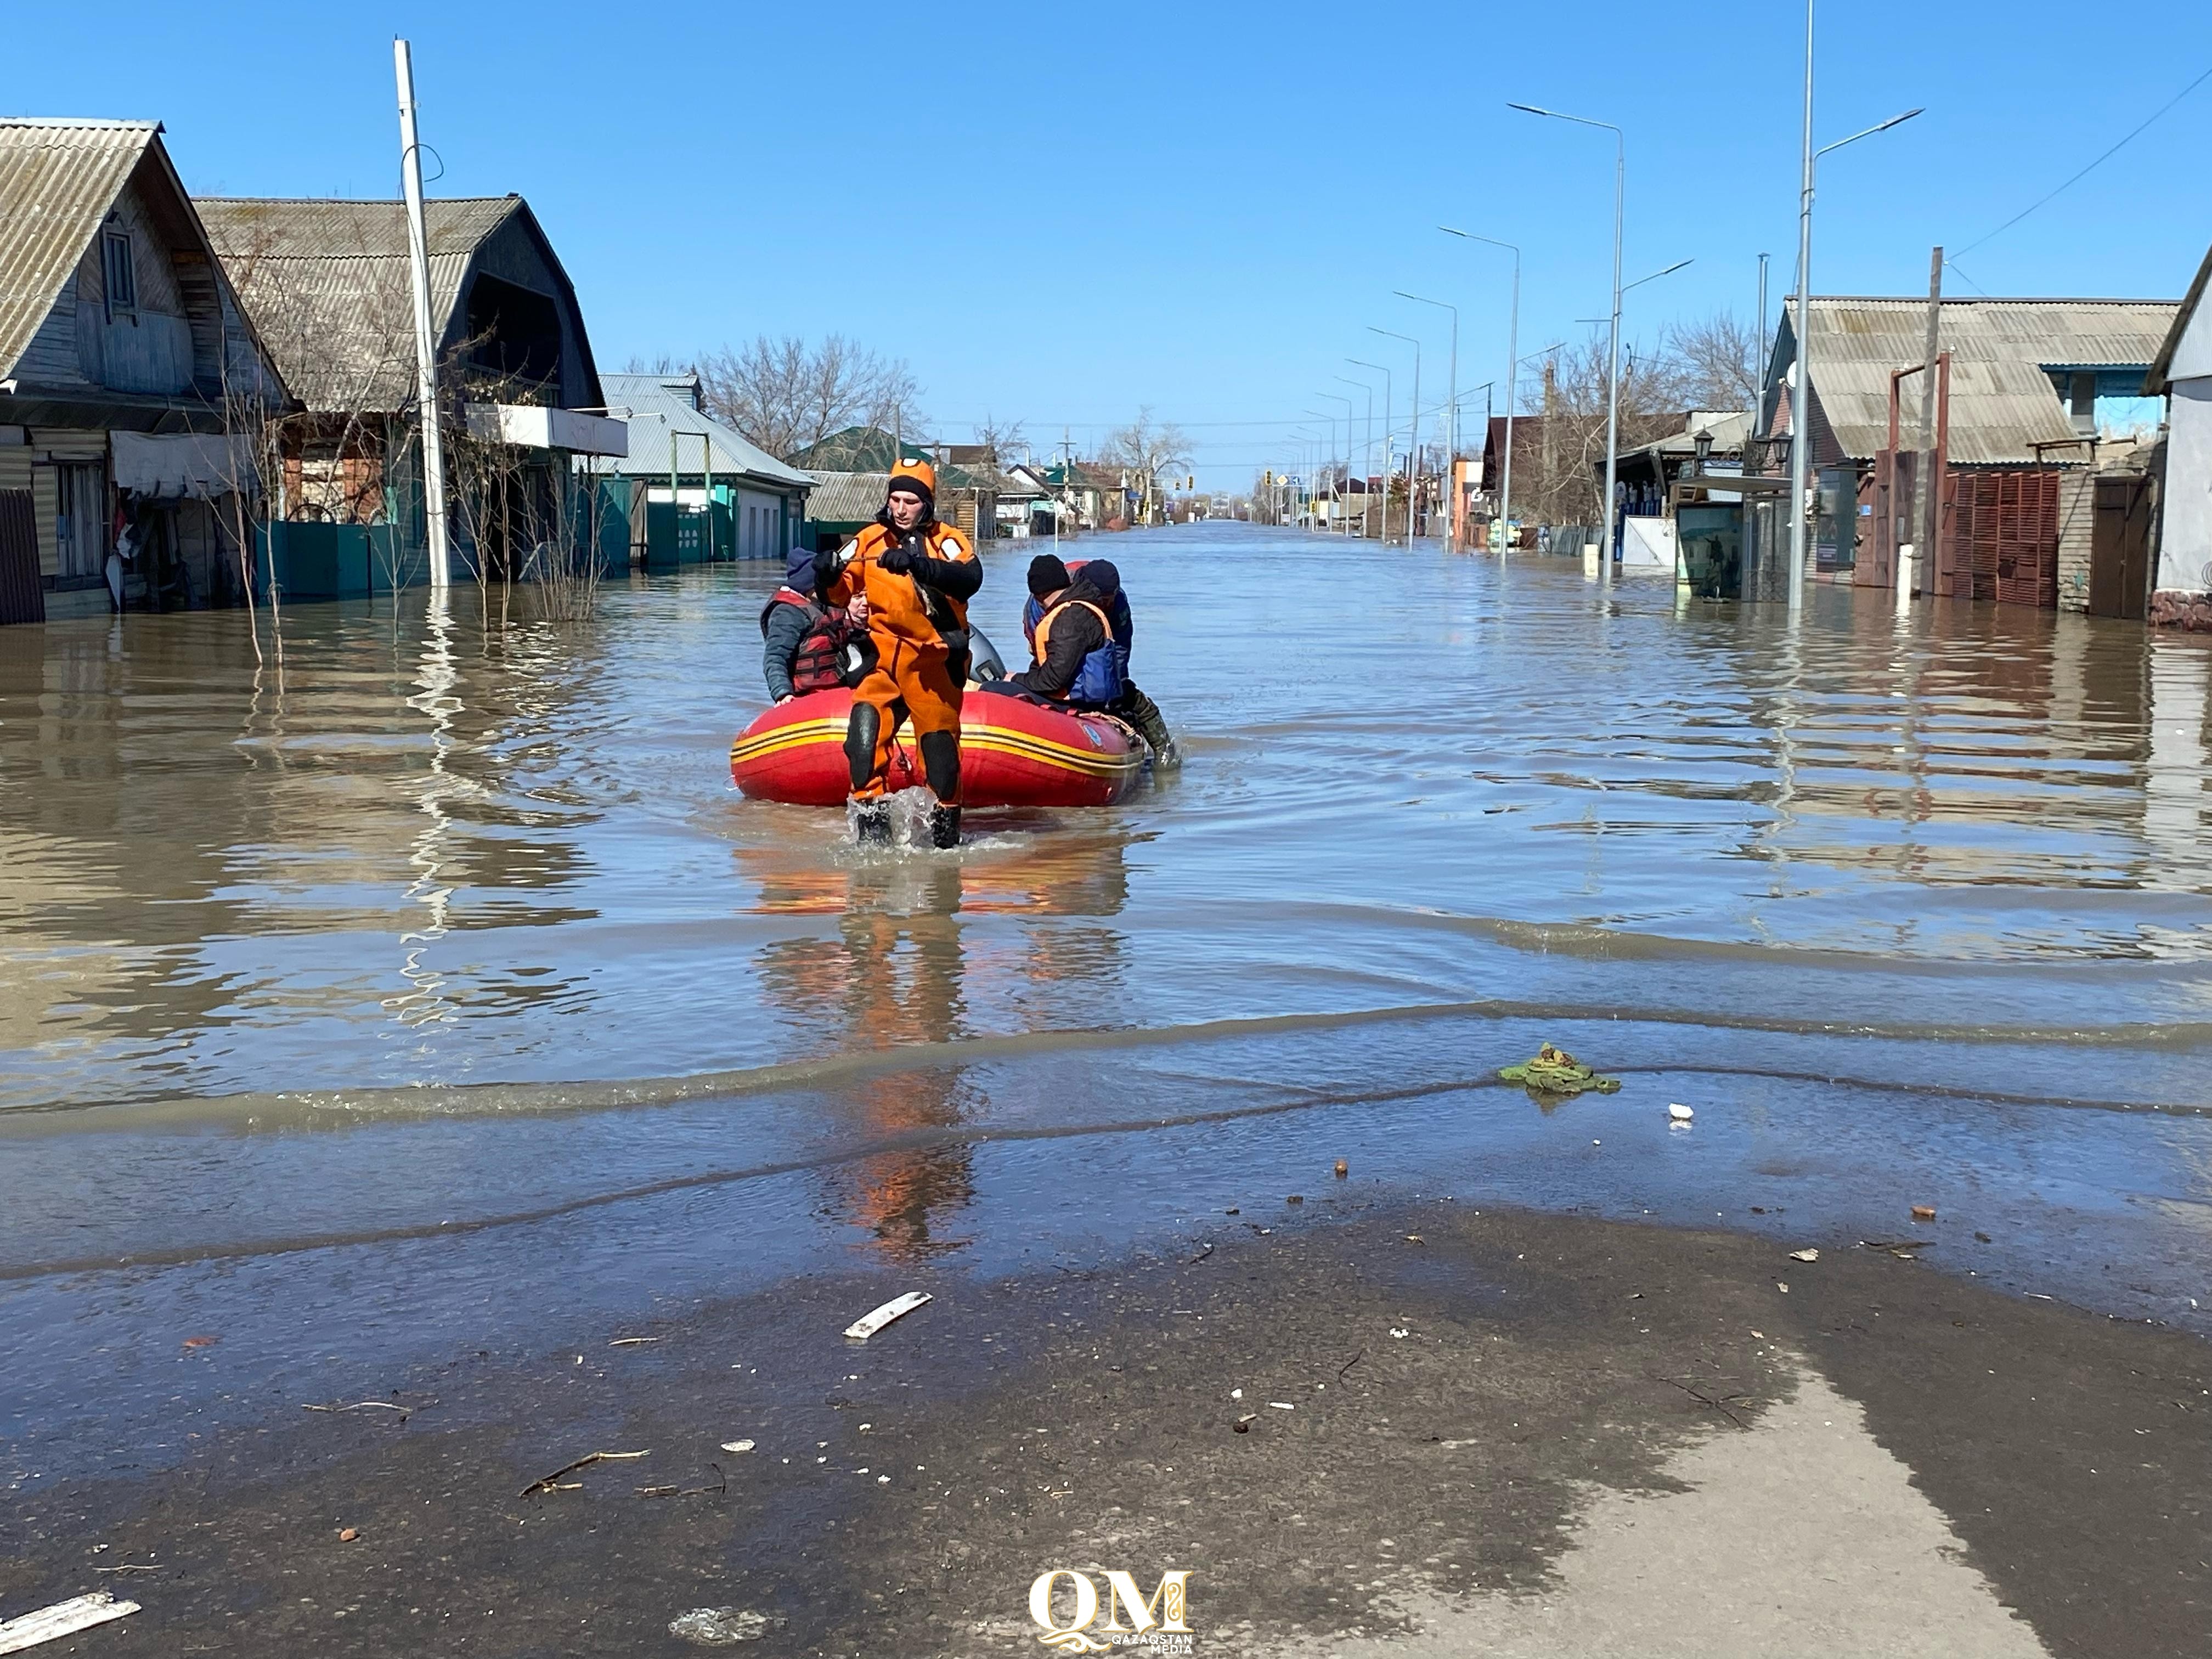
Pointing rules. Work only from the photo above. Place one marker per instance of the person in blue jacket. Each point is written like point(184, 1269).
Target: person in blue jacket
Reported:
point(1094, 585)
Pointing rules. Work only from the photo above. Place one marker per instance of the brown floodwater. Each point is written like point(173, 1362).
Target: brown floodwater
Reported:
point(352, 990)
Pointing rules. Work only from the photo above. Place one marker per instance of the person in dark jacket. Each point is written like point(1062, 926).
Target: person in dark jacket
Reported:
point(1132, 705)
point(806, 645)
point(1073, 642)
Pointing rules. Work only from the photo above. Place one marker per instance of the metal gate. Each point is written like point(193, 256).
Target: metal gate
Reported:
point(22, 596)
point(1999, 537)
point(2119, 546)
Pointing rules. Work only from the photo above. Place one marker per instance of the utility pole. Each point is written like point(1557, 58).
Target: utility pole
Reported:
point(426, 344)
point(1414, 441)
point(1452, 427)
point(1927, 489)
point(1383, 533)
point(1800, 401)
point(1612, 351)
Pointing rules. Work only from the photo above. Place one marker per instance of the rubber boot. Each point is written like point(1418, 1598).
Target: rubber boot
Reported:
point(871, 824)
point(940, 765)
point(862, 726)
point(944, 826)
point(1152, 726)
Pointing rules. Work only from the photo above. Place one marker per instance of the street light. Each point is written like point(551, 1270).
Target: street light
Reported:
point(1330, 417)
point(1512, 373)
point(1613, 372)
point(1367, 448)
point(1413, 442)
point(1383, 534)
point(1800, 405)
point(1336, 493)
point(1451, 439)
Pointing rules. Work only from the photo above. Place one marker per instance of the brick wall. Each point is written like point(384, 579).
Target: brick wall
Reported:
point(2077, 495)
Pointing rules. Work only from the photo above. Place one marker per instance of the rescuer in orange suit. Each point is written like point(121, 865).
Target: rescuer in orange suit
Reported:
point(917, 576)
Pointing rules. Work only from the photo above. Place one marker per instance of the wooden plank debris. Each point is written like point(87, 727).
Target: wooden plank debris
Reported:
point(62, 1619)
point(897, 1308)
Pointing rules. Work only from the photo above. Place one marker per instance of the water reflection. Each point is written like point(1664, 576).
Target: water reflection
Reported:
point(896, 973)
point(413, 850)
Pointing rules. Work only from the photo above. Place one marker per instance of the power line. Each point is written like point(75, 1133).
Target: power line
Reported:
point(2092, 165)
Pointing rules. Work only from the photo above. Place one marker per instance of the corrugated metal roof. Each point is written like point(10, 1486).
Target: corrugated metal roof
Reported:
point(327, 285)
point(2003, 403)
point(847, 497)
point(58, 180)
point(658, 406)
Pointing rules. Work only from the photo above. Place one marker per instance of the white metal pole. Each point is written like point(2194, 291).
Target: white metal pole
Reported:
point(1612, 373)
point(426, 345)
point(1801, 400)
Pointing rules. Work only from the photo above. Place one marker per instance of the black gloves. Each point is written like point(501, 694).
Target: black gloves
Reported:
point(826, 567)
point(897, 559)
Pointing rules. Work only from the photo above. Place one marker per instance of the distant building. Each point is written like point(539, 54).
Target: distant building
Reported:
point(698, 488)
point(967, 490)
point(126, 365)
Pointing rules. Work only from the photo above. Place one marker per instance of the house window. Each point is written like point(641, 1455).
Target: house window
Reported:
point(122, 282)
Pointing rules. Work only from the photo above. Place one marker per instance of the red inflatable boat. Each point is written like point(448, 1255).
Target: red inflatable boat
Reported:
point(1013, 753)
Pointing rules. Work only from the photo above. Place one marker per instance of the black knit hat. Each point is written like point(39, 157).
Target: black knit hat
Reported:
point(1047, 575)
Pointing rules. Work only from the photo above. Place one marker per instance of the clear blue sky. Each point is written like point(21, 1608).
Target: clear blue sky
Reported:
point(1056, 216)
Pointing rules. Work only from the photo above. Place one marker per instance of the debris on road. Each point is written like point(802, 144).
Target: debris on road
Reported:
point(202, 1341)
point(365, 1406)
point(1679, 1112)
point(1243, 1424)
point(713, 1626)
point(632, 1341)
point(62, 1619)
point(1555, 1071)
point(1294, 1198)
point(347, 1534)
point(1281, 1405)
point(897, 1308)
point(1342, 1169)
point(1924, 1212)
point(737, 1445)
point(1804, 1255)
point(545, 1483)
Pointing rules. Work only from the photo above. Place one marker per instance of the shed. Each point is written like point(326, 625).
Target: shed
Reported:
point(682, 463)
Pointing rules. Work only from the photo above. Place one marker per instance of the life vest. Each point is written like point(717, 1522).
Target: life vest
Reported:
point(1099, 682)
point(899, 607)
point(1119, 622)
point(828, 654)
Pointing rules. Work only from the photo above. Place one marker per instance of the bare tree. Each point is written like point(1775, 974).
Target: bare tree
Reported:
point(1557, 466)
point(784, 394)
point(1719, 361)
point(1150, 446)
point(1004, 439)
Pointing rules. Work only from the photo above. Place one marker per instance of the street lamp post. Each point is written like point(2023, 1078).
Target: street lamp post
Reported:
point(1512, 376)
point(1413, 440)
point(1801, 402)
point(1613, 354)
point(1384, 529)
point(1451, 439)
point(1336, 493)
point(1367, 445)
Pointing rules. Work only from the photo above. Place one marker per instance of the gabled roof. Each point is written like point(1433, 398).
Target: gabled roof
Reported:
point(58, 180)
point(2004, 407)
point(659, 405)
point(2156, 382)
point(853, 449)
point(327, 282)
point(847, 497)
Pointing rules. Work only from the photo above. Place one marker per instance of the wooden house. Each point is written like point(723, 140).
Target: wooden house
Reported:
point(126, 369)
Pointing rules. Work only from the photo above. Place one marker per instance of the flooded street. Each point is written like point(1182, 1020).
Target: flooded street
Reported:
point(428, 988)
